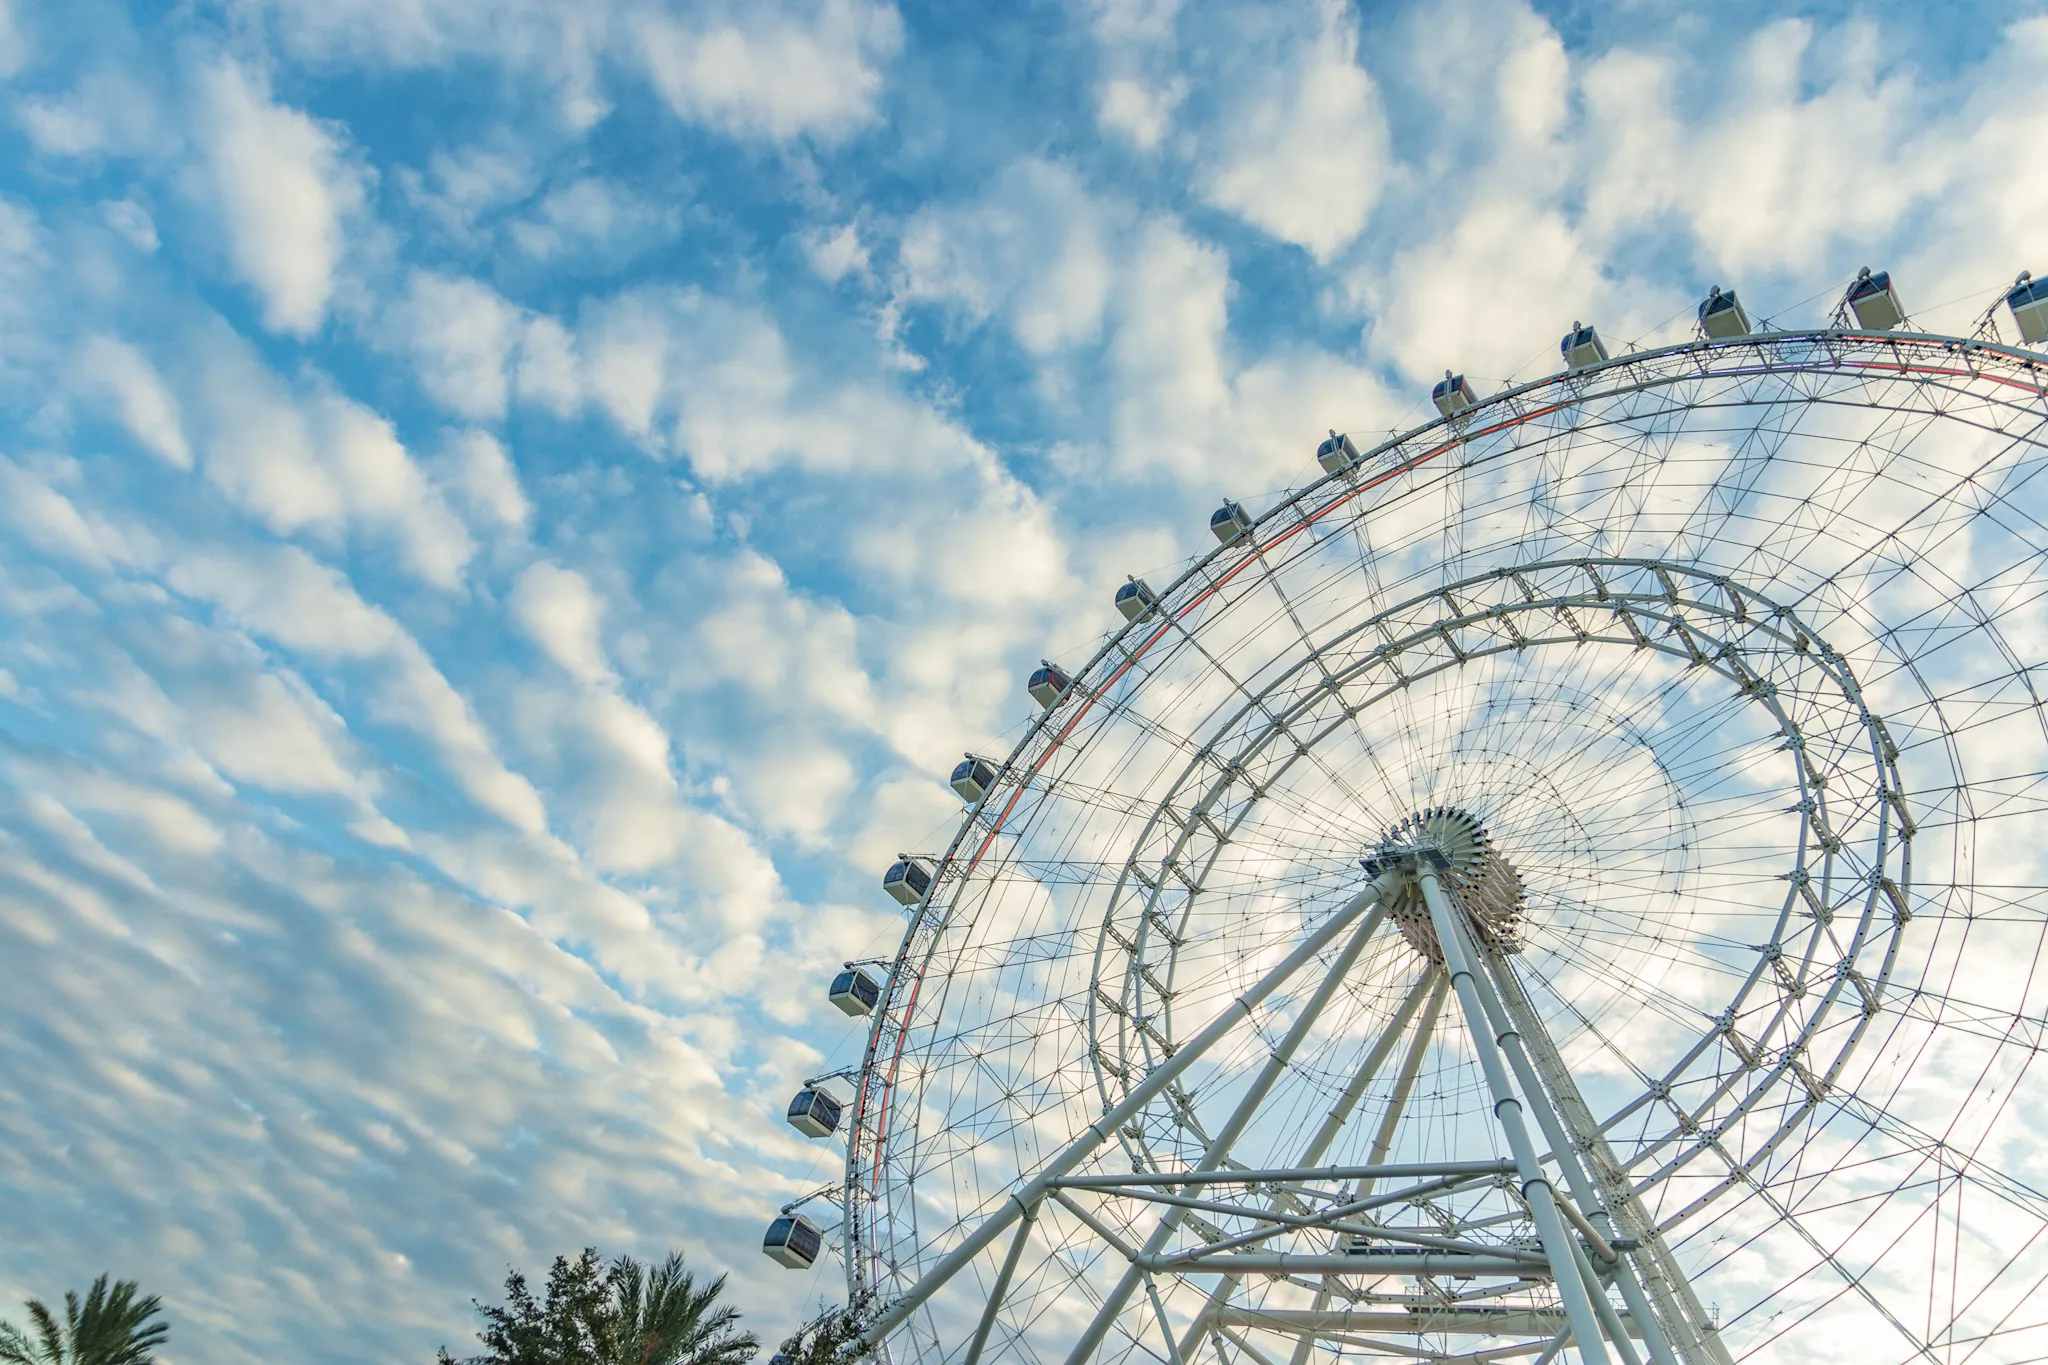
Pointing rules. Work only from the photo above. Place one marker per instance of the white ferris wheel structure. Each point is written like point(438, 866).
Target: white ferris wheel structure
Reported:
point(1569, 883)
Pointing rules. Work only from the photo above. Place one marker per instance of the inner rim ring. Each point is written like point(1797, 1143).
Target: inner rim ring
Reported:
point(1851, 859)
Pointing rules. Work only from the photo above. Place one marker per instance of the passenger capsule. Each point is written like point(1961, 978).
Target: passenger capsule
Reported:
point(814, 1113)
point(1135, 599)
point(855, 992)
point(907, 880)
point(1048, 685)
point(2028, 299)
point(1582, 347)
point(972, 777)
point(793, 1240)
point(1337, 454)
point(1452, 395)
point(1722, 316)
point(1230, 523)
point(1873, 300)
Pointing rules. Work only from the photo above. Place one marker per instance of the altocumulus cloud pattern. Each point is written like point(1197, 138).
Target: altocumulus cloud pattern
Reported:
point(513, 512)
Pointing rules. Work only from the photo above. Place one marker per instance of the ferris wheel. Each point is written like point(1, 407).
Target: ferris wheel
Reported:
point(1567, 883)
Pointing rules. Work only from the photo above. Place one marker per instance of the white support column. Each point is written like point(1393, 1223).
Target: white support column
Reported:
point(1001, 1286)
point(1509, 1039)
point(1233, 1127)
point(1507, 1109)
point(1691, 1338)
point(1099, 1131)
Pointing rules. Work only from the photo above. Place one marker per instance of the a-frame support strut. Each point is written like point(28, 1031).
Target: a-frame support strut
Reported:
point(1581, 1254)
point(1587, 1328)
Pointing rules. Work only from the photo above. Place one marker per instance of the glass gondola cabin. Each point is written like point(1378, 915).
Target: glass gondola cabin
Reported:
point(2028, 300)
point(1874, 302)
point(1135, 599)
point(1722, 315)
point(907, 880)
point(793, 1240)
point(972, 777)
point(1582, 347)
point(814, 1113)
point(1337, 454)
point(1048, 685)
point(1452, 395)
point(1230, 523)
point(855, 992)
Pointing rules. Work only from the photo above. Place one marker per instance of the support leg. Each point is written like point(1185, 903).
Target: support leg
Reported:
point(1001, 1286)
point(1510, 1035)
point(1687, 1334)
point(1507, 1109)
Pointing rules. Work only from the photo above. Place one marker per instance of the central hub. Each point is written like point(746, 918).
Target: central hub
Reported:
point(1481, 883)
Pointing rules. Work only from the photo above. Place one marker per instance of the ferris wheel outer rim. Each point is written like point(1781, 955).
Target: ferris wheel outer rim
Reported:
point(1465, 428)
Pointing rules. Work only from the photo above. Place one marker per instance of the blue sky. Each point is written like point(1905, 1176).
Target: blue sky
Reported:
point(512, 511)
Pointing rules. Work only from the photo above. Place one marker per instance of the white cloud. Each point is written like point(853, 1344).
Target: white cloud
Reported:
point(273, 731)
point(257, 446)
point(106, 113)
point(1141, 112)
point(775, 71)
point(547, 372)
point(559, 43)
point(1441, 306)
point(14, 44)
point(625, 349)
point(382, 488)
point(287, 596)
point(286, 190)
point(1535, 87)
point(1168, 351)
point(1801, 150)
point(606, 751)
point(321, 463)
point(1034, 249)
point(486, 482)
point(459, 188)
point(559, 611)
point(592, 215)
point(461, 332)
point(1299, 150)
point(783, 674)
point(612, 760)
point(838, 253)
point(170, 821)
point(132, 221)
point(123, 377)
point(48, 520)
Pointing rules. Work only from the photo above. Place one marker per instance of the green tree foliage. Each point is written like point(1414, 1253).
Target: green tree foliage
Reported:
point(111, 1327)
point(624, 1313)
point(831, 1338)
point(661, 1316)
